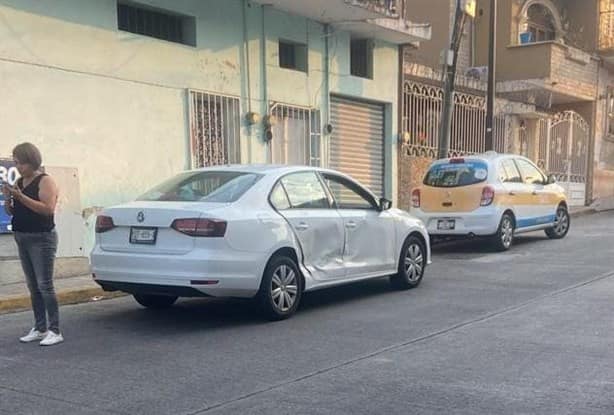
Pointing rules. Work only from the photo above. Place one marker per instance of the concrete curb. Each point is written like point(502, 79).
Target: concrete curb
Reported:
point(588, 212)
point(15, 304)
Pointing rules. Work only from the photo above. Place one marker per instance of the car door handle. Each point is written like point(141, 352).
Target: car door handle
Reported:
point(302, 226)
point(512, 193)
point(534, 192)
point(351, 225)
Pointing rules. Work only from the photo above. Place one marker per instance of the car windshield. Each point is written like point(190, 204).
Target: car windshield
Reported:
point(208, 186)
point(456, 173)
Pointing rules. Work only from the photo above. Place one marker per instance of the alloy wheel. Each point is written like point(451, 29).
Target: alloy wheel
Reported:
point(507, 232)
point(561, 223)
point(284, 288)
point(414, 262)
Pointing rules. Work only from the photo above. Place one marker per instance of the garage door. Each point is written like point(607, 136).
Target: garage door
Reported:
point(357, 141)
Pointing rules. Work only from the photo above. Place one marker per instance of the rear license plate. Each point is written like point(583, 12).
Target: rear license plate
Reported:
point(446, 224)
point(145, 236)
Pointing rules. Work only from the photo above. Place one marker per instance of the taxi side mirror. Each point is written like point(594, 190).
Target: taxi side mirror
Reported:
point(551, 179)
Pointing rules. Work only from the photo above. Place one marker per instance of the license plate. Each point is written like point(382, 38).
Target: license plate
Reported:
point(446, 224)
point(145, 236)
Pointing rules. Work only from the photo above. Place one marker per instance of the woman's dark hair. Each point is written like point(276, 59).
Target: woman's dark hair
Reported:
point(27, 153)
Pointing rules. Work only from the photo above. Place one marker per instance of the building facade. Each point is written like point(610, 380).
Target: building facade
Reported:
point(553, 82)
point(119, 95)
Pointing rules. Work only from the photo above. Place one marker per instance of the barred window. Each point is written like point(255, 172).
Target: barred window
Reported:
point(160, 24)
point(214, 129)
point(296, 135)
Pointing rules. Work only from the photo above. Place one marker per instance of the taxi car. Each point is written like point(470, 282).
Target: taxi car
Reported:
point(490, 195)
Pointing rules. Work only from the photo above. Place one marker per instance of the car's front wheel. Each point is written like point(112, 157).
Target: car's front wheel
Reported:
point(281, 288)
point(561, 224)
point(411, 264)
point(155, 301)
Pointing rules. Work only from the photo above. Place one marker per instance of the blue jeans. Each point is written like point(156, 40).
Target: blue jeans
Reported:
point(37, 253)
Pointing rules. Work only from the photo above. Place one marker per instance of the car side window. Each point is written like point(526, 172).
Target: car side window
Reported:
point(279, 198)
point(347, 194)
point(508, 172)
point(305, 191)
point(530, 173)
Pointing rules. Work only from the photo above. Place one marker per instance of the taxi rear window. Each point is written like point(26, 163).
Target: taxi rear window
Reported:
point(456, 173)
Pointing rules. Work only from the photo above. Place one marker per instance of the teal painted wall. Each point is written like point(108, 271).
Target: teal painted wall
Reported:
point(113, 104)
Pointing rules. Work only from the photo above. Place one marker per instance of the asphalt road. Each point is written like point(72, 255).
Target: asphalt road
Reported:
point(530, 331)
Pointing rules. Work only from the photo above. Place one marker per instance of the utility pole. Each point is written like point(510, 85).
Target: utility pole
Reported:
point(490, 99)
point(464, 8)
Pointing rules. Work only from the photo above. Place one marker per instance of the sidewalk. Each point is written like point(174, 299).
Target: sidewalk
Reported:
point(82, 289)
point(72, 290)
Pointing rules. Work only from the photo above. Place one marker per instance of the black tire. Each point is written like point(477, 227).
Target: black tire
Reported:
point(412, 263)
point(156, 302)
point(561, 224)
point(282, 277)
point(504, 238)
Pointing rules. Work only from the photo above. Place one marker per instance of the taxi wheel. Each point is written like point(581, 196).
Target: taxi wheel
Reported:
point(504, 238)
point(561, 224)
point(155, 301)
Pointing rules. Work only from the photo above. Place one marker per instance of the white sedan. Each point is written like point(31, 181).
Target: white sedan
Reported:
point(268, 232)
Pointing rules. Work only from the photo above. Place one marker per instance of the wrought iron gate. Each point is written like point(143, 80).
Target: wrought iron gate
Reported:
point(567, 154)
point(422, 109)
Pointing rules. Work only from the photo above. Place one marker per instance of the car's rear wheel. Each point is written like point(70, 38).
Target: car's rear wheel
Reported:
point(155, 301)
point(281, 288)
point(561, 224)
point(411, 264)
point(504, 238)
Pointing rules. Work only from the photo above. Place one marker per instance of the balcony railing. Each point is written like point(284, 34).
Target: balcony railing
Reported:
point(389, 8)
point(606, 27)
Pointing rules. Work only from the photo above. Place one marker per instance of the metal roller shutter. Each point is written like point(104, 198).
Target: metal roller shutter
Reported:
point(357, 141)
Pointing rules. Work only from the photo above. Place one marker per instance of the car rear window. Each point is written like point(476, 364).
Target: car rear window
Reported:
point(457, 173)
point(208, 186)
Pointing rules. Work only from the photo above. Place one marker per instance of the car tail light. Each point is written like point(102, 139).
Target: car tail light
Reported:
point(415, 198)
point(200, 227)
point(457, 160)
point(488, 195)
point(104, 224)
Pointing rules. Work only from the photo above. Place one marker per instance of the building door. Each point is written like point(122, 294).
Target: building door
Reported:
point(568, 154)
point(357, 141)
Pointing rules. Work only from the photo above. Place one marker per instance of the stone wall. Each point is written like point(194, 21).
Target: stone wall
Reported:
point(411, 172)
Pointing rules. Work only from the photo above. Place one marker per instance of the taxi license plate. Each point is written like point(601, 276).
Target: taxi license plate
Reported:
point(446, 224)
point(145, 236)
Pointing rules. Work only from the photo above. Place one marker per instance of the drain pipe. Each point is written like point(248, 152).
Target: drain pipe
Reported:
point(327, 87)
point(264, 88)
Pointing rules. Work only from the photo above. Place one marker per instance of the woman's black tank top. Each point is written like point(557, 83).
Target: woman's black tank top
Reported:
point(24, 218)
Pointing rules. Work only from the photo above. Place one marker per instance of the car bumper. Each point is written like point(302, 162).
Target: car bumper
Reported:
point(220, 275)
point(481, 222)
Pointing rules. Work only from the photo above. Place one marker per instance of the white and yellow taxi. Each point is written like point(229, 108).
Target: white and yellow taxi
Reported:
point(494, 195)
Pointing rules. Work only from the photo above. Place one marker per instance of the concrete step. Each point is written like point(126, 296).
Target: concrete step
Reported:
point(11, 272)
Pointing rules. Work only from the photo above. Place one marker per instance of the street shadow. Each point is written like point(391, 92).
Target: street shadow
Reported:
point(484, 245)
point(219, 313)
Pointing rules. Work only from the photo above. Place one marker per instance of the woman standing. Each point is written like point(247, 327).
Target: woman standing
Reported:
point(32, 203)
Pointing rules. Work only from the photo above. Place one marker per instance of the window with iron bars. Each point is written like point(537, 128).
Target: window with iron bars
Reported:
point(296, 135)
point(157, 23)
point(215, 126)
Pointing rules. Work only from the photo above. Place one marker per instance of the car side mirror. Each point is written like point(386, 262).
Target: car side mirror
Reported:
point(551, 179)
point(384, 204)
